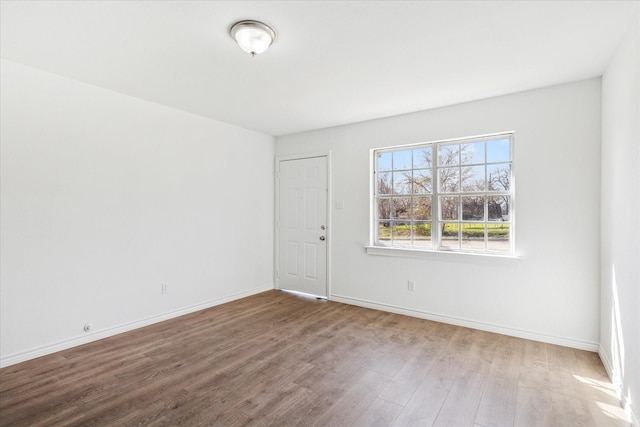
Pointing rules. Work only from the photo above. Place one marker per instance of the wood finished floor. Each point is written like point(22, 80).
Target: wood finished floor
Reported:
point(277, 359)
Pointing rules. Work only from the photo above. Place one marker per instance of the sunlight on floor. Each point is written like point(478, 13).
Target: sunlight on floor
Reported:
point(601, 386)
point(611, 410)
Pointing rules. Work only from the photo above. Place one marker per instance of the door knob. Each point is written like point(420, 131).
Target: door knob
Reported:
point(322, 238)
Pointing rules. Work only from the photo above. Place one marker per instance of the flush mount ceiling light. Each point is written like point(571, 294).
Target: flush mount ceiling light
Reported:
point(253, 37)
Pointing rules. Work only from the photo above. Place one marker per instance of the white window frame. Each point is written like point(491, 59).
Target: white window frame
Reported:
point(379, 247)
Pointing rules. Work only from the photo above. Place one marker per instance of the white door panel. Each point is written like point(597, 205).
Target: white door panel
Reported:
point(301, 233)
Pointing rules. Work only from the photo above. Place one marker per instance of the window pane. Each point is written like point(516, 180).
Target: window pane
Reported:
point(384, 232)
point(422, 208)
point(499, 177)
point(461, 188)
point(449, 233)
point(473, 208)
point(472, 153)
point(402, 159)
point(422, 158)
point(499, 235)
point(498, 208)
point(402, 182)
point(422, 234)
point(449, 155)
point(498, 151)
point(449, 208)
point(384, 161)
point(473, 236)
point(449, 180)
point(401, 207)
point(383, 183)
point(422, 182)
point(384, 208)
point(401, 234)
point(472, 178)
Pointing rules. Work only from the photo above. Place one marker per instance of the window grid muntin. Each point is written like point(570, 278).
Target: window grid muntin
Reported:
point(436, 231)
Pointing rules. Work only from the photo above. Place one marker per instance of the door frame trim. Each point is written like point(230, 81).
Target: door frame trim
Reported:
point(276, 240)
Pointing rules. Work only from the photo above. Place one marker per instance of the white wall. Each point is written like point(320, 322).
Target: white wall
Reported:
point(105, 197)
point(620, 269)
point(552, 293)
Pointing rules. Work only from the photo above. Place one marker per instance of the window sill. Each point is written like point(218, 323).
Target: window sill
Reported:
point(442, 255)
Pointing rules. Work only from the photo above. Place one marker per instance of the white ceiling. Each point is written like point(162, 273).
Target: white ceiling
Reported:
point(333, 62)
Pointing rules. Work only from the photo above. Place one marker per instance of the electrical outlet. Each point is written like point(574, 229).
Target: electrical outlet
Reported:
point(411, 285)
point(164, 289)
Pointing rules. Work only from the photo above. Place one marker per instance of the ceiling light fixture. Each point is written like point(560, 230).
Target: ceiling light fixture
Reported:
point(253, 37)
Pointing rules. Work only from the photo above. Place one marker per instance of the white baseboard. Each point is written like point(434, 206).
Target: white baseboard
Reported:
point(567, 342)
point(608, 366)
point(12, 359)
point(616, 381)
point(629, 409)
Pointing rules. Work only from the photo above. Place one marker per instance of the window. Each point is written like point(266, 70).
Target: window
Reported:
point(454, 195)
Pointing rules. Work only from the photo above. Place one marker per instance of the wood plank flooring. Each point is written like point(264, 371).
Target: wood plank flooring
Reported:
point(276, 359)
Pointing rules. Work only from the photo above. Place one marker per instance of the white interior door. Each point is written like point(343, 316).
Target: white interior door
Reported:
point(301, 225)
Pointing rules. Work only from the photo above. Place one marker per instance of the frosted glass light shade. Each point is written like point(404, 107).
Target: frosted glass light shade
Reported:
point(253, 37)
